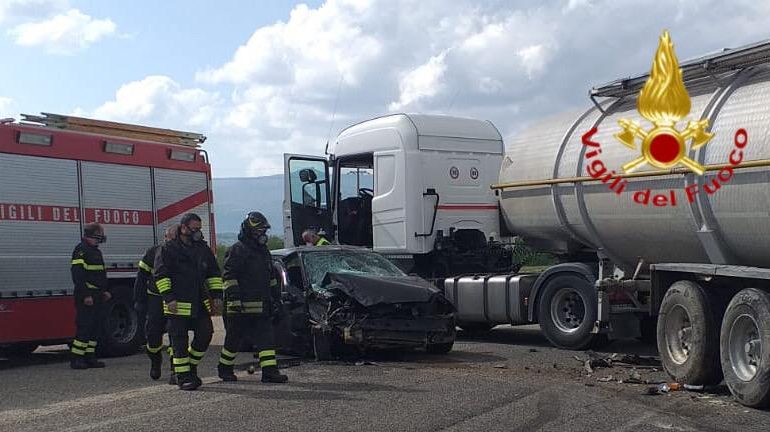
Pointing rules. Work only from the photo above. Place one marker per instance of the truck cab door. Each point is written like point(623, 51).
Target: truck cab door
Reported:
point(306, 198)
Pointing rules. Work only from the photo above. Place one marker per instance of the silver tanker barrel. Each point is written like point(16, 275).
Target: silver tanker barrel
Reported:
point(552, 200)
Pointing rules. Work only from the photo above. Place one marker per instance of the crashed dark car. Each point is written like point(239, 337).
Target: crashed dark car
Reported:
point(340, 300)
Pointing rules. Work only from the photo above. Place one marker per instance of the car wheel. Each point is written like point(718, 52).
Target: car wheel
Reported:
point(322, 344)
point(567, 311)
point(745, 347)
point(440, 348)
point(688, 335)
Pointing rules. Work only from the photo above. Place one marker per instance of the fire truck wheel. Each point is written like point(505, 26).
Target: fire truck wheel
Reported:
point(745, 347)
point(122, 335)
point(566, 311)
point(688, 335)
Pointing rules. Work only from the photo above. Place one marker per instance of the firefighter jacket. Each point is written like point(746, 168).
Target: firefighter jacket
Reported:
point(145, 282)
point(250, 280)
point(88, 272)
point(189, 275)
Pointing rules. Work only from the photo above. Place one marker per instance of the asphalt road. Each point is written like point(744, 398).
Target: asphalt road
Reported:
point(508, 380)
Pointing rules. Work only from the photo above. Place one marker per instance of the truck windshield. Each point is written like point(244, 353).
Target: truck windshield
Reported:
point(317, 264)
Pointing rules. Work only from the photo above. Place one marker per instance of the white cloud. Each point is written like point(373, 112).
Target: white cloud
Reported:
point(64, 33)
point(160, 101)
point(421, 82)
point(509, 62)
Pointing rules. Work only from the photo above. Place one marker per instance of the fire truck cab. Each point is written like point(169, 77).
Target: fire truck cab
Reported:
point(58, 173)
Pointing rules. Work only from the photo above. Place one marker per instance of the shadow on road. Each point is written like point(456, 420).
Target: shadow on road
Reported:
point(287, 395)
point(531, 336)
point(35, 359)
point(302, 390)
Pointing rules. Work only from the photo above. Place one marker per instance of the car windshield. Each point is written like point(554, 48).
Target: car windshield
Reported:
point(317, 264)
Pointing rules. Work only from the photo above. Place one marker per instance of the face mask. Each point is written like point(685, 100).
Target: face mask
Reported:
point(262, 239)
point(195, 235)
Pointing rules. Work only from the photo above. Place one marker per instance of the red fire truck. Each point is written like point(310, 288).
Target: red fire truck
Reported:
point(60, 172)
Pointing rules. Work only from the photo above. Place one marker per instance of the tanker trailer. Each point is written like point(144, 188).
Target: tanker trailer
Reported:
point(680, 253)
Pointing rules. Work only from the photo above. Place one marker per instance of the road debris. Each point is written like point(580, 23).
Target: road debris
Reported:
point(663, 389)
point(635, 378)
point(500, 366)
point(608, 378)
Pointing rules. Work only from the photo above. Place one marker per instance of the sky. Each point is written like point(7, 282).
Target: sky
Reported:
point(263, 78)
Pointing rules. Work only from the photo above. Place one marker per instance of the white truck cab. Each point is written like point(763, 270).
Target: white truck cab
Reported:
point(412, 186)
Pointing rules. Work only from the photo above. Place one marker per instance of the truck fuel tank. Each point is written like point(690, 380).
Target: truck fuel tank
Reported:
point(490, 299)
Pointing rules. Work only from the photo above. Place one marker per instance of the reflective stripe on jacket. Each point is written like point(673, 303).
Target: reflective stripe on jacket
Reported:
point(88, 271)
point(187, 274)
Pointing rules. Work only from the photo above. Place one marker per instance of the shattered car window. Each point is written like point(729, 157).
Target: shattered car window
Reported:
point(317, 264)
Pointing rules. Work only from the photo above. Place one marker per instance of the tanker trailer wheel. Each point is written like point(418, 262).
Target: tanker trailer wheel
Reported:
point(688, 335)
point(745, 347)
point(567, 311)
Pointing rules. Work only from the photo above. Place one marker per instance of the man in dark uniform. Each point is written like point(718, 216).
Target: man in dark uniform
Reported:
point(148, 300)
point(252, 300)
point(188, 279)
point(91, 291)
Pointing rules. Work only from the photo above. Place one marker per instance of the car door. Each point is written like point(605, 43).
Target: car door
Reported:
point(291, 331)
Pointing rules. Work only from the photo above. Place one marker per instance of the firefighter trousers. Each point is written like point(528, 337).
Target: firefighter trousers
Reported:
point(247, 333)
point(188, 355)
point(88, 323)
point(155, 325)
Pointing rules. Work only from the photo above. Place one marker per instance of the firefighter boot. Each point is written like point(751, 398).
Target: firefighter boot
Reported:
point(194, 373)
point(187, 381)
point(78, 362)
point(92, 362)
point(225, 372)
point(270, 374)
point(156, 362)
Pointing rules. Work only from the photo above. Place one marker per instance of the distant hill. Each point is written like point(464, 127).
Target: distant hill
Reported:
point(235, 197)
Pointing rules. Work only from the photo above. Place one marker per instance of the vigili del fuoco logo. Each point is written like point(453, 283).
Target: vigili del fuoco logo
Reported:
point(664, 102)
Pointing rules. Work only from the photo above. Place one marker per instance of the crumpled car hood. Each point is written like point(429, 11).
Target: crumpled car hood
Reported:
point(373, 290)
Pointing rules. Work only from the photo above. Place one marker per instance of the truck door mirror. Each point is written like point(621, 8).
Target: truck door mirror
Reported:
point(307, 176)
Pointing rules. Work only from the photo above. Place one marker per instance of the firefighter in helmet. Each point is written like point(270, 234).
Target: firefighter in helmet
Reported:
point(148, 302)
point(252, 300)
point(91, 292)
point(189, 281)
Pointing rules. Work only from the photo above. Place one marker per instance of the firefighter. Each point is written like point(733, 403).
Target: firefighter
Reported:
point(189, 281)
point(311, 237)
point(91, 292)
point(252, 300)
point(148, 300)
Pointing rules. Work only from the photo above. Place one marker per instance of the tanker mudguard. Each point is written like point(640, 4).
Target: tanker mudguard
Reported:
point(586, 270)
